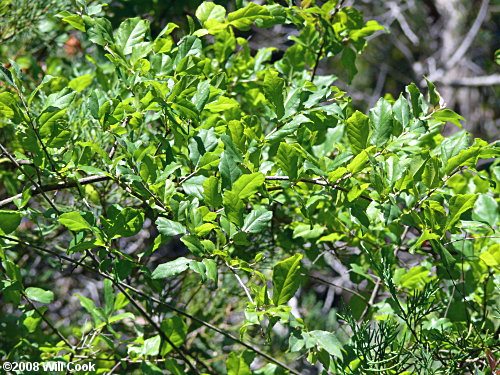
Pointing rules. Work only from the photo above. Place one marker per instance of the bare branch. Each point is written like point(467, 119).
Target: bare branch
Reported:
point(471, 35)
point(57, 186)
point(490, 80)
point(38, 188)
point(316, 181)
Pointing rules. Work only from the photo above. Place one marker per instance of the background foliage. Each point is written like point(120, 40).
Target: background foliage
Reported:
point(196, 197)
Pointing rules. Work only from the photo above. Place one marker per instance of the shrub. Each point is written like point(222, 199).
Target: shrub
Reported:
point(272, 181)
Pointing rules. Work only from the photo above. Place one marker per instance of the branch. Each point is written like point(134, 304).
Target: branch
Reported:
point(490, 80)
point(247, 292)
point(38, 188)
point(316, 181)
point(471, 35)
point(41, 189)
point(93, 179)
point(470, 239)
point(156, 300)
point(349, 290)
point(318, 58)
point(46, 320)
point(145, 314)
point(371, 301)
point(405, 27)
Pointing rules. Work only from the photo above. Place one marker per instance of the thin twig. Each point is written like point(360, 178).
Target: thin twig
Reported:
point(35, 130)
point(145, 314)
point(247, 292)
point(349, 290)
point(470, 238)
point(46, 320)
point(94, 179)
point(371, 301)
point(318, 58)
point(38, 187)
point(316, 181)
point(158, 301)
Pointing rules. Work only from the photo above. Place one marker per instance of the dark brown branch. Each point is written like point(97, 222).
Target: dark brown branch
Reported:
point(94, 179)
point(57, 186)
point(37, 187)
point(158, 301)
point(317, 181)
point(47, 321)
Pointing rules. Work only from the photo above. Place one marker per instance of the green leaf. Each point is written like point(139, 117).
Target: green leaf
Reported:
point(109, 297)
point(239, 364)
point(9, 221)
point(433, 96)
point(194, 186)
point(151, 346)
point(211, 192)
point(194, 245)
point(211, 267)
point(54, 130)
point(130, 33)
point(431, 176)
point(447, 115)
point(229, 170)
point(358, 128)
point(257, 220)
point(381, 120)
point(307, 231)
point(172, 268)
point(95, 312)
point(416, 100)
point(452, 145)
point(202, 94)
point(348, 60)
point(425, 236)
point(289, 128)
point(273, 90)
point(170, 228)
point(448, 260)
point(358, 163)
point(75, 221)
point(485, 209)
point(458, 205)
point(327, 341)
point(491, 257)
point(176, 330)
point(124, 223)
point(465, 157)
point(76, 21)
point(286, 279)
point(61, 99)
point(222, 104)
point(402, 112)
point(39, 295)
point(81, 83)
point(210, 11)
point(287, 159)
point(234, 207)
point(247, 185)
point(185, 109)
point(243, 18)
point(412, 278)
point(99, 30)
point(199, 268)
